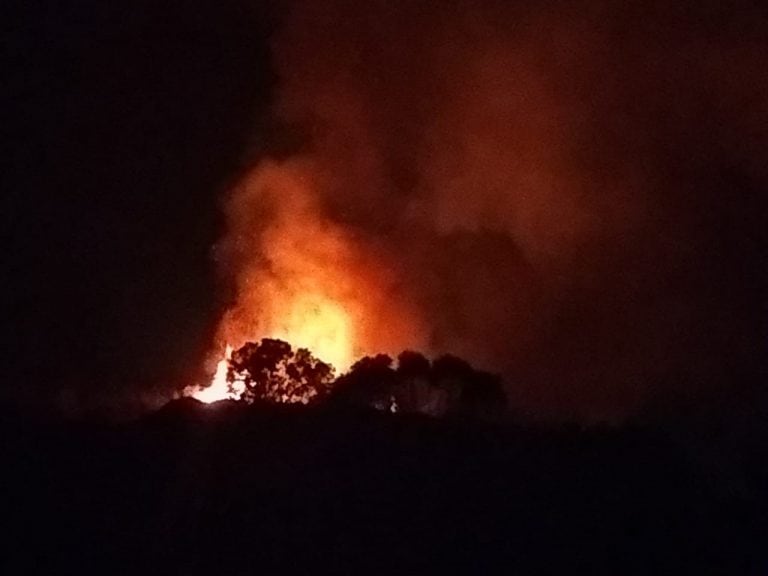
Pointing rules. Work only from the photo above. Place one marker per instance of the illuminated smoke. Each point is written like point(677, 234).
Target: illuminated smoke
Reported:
point(509, 184)
point(304, 279)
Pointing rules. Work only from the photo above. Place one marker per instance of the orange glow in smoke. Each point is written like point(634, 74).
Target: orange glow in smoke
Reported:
point(303, 279)
point(323, 326)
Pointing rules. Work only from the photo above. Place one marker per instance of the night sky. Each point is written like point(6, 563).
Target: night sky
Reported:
point(572, 196)
point(126, 121)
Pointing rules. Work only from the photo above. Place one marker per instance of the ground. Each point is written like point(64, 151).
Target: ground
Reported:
point(229, 489)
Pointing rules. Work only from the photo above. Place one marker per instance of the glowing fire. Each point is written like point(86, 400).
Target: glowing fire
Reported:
point(302, 278)
point(321, 325)
point(312, 322)
point(219, 388)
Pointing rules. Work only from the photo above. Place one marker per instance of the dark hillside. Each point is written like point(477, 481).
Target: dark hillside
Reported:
point(230, 489)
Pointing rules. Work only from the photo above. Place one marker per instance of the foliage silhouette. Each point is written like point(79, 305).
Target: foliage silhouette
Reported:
point(370, 382)
point(412, 364)
point(448, 386)
point(273, 372)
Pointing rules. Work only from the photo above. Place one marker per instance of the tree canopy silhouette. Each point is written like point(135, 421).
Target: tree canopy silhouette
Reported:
point(369, 381)
point(447, 386)
point(272, 371)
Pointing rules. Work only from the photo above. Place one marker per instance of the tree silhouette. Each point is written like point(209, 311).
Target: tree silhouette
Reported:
point(369, 382)
point(450, 368)
point(447, 386)
point(482, 395)
point(412, 364)
point(473, 392)
point(272, 371)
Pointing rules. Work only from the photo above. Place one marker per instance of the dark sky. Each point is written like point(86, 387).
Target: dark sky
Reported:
point(126, 120)
point(645, 279)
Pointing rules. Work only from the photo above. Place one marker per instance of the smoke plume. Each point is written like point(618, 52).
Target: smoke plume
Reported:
point(568, 193)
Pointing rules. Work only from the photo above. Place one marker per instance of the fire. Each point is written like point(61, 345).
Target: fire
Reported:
point(321, 325)
point(311, 321)
point(299, 276)
point(219, 388)
point(303, 278)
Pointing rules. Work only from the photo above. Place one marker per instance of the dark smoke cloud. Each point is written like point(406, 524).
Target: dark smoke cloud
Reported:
point(571, 192)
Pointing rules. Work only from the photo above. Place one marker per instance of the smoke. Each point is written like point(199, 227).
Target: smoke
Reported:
point(566, 194)
point(305, 278)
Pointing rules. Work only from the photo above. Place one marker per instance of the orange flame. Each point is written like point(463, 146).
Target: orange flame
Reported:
point(219, 388)
point(302, 278)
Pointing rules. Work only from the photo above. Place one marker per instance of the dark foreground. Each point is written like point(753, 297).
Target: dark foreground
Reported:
point(227, 490)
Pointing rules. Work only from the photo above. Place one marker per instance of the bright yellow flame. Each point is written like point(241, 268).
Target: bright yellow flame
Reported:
point(309, 321)
point(219, 388)
point(303, 278)
point(319, 324)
